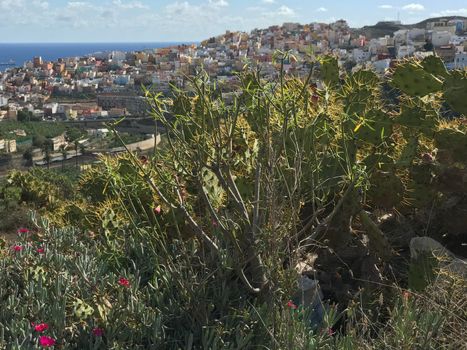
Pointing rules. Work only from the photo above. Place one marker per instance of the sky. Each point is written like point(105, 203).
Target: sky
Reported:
point(193, 20)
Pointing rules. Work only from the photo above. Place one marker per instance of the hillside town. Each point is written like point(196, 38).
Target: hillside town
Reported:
point(109, 84)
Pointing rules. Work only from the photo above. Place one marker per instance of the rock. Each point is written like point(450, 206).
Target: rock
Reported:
point(446, 259)
point(427, 245)
point(310, 297)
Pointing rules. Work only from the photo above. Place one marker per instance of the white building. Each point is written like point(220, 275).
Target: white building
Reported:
point(405, 51)
point(460, 61)
point(440, 38)
point(3, 101)
point(360, 56)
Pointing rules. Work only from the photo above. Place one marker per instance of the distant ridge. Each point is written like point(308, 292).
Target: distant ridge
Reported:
point(381, 29)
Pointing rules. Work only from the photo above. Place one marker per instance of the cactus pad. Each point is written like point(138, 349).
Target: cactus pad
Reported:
point(386, 191)
point(454, 142)
point(455, 91)
point(413, 80)
point(376, 128)
point(434, 65)
point(329, 70)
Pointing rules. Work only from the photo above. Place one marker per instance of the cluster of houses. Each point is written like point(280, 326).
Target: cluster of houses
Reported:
point(108, 84)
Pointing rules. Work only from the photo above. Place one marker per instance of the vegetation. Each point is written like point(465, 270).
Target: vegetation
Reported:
point(201, 245)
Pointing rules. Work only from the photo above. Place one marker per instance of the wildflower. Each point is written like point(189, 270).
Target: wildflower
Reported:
point(144, 160)
point(330, 331)
point(157, 210)
point(17, 248)
point(98, 332)
point(40, 327)
point(215, 223)
point(428, 158)
point(406, 295)
point(291, 305)
point(40, 250)
point(45, 341)
point(123, 282)
point(23, 230)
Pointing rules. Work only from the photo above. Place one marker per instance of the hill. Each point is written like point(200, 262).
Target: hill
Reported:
point(381, 29)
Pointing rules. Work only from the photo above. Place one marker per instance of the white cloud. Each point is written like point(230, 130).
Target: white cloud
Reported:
point(322, 9)
point(129, 5)
point(458, 12)
point(219, 3)
point(386, 7)
point(269, 1)
point(414, 7)
point(285, 11)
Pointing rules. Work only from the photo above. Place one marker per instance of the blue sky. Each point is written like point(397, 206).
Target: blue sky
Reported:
point(192, 20)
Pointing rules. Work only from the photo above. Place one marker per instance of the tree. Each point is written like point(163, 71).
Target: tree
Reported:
point(64, 153)
point(27, 155)
point(47, 148)
point(39, 140)
point(76, 143)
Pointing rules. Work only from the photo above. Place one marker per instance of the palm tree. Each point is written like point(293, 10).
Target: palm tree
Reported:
point(76, 142)
point(82, 148)
point(64, 153)
point(47, 154)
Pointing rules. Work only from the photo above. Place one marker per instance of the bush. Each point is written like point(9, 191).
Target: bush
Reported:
point(202, 244)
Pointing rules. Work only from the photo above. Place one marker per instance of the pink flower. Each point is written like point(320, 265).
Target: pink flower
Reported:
point(291, 304)
point(123, 282)
point(45, 341)
point(328, 331)
point(215, 223)
point(406, 295)
point(23, 230)
point(157, 210)
point(40, 250)
point(17, 248)
point(98, 332)
point(40, 327)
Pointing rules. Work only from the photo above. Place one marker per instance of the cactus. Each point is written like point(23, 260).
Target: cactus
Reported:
point(455, 91)
point(416, 117)
point(434, 65)
point(376, 128)
point(329, 70)
point(386, 191)
point(412, 79)
point(379, 161)
point(452, 142)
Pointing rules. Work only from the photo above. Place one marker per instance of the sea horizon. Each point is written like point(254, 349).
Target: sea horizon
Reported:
point(21, 52)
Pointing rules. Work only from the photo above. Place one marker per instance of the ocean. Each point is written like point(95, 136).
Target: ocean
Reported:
point(22, 52)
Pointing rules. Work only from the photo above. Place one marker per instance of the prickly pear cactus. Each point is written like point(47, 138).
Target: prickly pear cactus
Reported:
point(412, 79)
point(455, 91)
point(386, 191)
point(434, 65)
point(453, 143)
point(415, 117)
point(329, 70)
point(375, 128)
point(379, 161)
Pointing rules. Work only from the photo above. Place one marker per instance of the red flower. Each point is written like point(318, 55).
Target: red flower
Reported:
point(45, 341)
point(98, 332)
point(157, 210)
point(40, 327)
point(17, 248)
point(23, 230)
point(291, 304)
point(41, 250)
point(123, 282)
point(406, 295)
